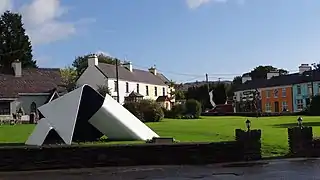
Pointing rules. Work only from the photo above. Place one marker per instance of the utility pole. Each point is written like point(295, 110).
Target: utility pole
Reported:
point(207, 82)
point(117, 77)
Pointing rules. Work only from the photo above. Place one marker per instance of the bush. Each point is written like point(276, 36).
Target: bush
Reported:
point(145, 110)
point(176, 112)
point(193, 107)
point(314, 106)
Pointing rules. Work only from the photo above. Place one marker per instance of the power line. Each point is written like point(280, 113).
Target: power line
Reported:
point(214, 75)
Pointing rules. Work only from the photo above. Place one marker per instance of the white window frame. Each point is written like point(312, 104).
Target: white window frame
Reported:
point(268, 107)
point(299, 104)
point(284, 92)
point(267, 93)
point(284, 105)
point(309, 89)
point(299, 89)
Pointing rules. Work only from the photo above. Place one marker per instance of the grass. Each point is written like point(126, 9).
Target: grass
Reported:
point(207, 129)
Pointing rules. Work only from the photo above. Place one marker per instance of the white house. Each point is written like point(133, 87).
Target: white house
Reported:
point(149, 84)
point(23, 90)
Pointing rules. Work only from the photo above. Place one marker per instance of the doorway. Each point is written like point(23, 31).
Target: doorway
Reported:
point(276, 106)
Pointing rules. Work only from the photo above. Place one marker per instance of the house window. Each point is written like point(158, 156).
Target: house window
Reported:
point(155, 91)
point(268, 107)
point(115, 86)
point(310, 89)
point(299, 90)
point(127, 87)
point(138, 89)
point(5, 108)
point(163, 91)
point(284, 106)
point(275, 93)
point(147, 90)
point(299, 104)
point(267, 93)
point(284, 92)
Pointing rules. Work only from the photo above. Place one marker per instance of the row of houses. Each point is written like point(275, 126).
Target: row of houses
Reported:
point(23, 90)
point(282, 92)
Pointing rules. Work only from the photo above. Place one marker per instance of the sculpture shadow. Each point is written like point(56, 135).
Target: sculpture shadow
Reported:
point(289, 125)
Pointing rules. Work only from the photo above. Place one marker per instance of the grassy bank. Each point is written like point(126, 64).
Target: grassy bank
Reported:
point(274, 130)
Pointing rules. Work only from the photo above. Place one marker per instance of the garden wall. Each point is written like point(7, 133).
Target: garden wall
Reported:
point(247, 146)
point(251, 114)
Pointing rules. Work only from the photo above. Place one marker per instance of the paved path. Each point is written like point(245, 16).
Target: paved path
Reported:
point(306, 169)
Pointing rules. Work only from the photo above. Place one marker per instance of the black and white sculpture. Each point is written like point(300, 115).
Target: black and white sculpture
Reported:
point(84, 115)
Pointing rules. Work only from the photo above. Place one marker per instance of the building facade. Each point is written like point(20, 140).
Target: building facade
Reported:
point(277, 99)
point(302, 94)
point(150, 84)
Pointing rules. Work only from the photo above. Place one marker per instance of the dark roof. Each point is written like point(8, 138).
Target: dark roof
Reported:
point(135, 94)
point(136, 75)
point(163, 99)
point(282, 80)
point(33, 80)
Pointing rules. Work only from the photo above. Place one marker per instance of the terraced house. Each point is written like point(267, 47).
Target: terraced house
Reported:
point(289, 92)
point(302, 92)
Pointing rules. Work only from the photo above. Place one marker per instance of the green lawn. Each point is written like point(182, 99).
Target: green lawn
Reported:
point(274, 130)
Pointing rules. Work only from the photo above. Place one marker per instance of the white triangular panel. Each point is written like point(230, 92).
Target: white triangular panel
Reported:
point(62, 113)
point(39, 133)
point(117, 123)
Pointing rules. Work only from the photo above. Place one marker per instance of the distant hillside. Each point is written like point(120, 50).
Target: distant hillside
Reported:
point(185, 86)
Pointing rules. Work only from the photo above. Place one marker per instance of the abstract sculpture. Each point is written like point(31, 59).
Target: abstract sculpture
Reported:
point(84, 115)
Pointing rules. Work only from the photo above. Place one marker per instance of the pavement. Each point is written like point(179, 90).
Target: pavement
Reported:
point(291, 169)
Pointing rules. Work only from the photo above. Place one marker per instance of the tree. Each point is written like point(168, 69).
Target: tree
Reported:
point(14, 42)
point(104, 90)
point(260, 72)
point(81, 62)
point(179, 95)
point(69, 77)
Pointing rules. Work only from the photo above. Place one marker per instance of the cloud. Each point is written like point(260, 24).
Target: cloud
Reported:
point(194, 4)
point(42, 20)
point(103, 52)
point(43, 24)
point(5, 5)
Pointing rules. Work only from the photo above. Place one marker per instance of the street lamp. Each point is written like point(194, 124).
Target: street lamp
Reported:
point(248, 124)
point(299, 121)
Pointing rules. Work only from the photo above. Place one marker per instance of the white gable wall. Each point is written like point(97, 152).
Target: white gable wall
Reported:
point(93, 77)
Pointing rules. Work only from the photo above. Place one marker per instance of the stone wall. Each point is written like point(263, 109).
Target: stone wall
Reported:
point(245, 147)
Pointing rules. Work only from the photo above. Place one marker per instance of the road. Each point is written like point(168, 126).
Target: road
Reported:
point(267, 170)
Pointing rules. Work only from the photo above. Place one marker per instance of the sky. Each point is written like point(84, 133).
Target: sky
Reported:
point(184, 39)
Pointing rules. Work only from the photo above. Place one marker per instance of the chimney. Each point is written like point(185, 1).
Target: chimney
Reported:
point(304, 67)
point(128, 65)
point(93, 60)
point(246, 78)
point(272, 74)
point(153, 70)
point(16, 65)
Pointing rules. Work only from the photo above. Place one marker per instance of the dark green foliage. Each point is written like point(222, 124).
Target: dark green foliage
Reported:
point(176, 112)
point(193, 107)
point(14, 42)
point(81, 62)
point(146, 110)
point(315, 106)
point(103, 90)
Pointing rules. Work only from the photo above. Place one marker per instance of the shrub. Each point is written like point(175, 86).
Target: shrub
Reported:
point(314, 106)
point(193, 107)
point(145, 110)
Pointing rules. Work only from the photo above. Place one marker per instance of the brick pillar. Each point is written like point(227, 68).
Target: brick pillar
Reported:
point(250, 141)
point(300, 140)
